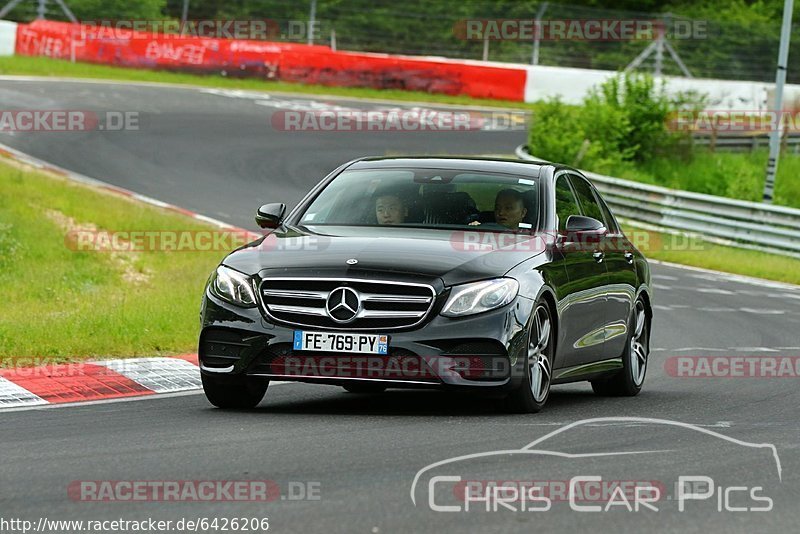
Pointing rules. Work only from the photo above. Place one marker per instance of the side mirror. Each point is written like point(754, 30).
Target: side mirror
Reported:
point(582, 229)
point(270, 215)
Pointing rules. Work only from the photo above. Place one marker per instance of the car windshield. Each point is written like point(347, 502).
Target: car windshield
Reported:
point(427, 198)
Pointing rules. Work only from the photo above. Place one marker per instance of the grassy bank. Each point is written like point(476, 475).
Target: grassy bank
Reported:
point(42, 66)
point(57, 303)
point(726, 174)
point(698, 253)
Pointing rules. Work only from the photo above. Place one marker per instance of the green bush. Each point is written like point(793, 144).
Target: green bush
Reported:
point(623, 120)
point(556, 132)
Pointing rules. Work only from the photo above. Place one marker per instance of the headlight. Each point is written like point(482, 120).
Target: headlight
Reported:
point(233, 286)
point(477, 297)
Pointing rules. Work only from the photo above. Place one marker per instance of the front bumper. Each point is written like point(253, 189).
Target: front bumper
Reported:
point(480, 351)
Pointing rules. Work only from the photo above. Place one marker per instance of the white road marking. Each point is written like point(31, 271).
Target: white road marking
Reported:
point(762, 312)
point(704, 349)
point(664, 288)
point(714, 290)
point(784, 295)
point(718, 424)
point(706, 309)
point(754, 349)
point(665, 277)
point(711, 277)
point(751, 292)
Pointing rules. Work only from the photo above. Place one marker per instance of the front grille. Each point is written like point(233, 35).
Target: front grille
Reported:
point(382, 305)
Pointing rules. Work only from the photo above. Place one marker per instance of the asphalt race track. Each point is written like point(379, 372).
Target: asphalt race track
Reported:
point(219, 155)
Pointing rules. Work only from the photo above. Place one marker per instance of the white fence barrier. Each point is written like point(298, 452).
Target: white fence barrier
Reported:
point(8, 37)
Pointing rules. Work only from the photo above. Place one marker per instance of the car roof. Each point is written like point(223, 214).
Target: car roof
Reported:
point(510, 166)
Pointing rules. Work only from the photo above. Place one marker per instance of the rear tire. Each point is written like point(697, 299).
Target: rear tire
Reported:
point(533, 392)
point(363, 389)
point(628, 381)
point(240, 393)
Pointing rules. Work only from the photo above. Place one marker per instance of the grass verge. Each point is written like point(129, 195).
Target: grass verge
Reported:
point(59, 304)
point(43, 66)
point(728, 174)
point(695, 252)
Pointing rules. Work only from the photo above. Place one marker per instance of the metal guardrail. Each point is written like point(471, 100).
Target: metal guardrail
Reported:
point(742, 143)
point(738, 223)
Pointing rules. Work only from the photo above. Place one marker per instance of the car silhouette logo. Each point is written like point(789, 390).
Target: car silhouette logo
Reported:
point(343, 304)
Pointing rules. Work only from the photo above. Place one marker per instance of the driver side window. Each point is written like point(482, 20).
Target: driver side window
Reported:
point(566, 204)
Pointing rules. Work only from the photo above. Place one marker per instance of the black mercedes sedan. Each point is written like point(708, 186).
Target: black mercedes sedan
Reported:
point(499, 276)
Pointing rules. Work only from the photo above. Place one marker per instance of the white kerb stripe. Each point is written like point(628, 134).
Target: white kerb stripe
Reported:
point(14, 395)
point(158, 374)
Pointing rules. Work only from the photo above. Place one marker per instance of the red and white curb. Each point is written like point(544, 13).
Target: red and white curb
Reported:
point(97, 380)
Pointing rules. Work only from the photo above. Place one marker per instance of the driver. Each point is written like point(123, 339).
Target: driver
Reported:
point(390, 208)
point(509, 209)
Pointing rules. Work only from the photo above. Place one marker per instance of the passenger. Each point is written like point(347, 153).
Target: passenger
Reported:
point(509, 209)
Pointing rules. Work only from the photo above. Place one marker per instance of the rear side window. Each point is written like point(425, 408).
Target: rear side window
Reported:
point(566, 204)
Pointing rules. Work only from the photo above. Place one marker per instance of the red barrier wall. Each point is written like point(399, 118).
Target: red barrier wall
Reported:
point(278, 61)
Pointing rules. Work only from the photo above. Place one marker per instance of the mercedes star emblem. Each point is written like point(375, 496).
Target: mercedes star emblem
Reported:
point(343, 304)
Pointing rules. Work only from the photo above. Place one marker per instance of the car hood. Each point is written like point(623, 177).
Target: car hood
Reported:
point(453, 256)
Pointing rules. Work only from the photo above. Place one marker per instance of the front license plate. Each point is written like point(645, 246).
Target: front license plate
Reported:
point(336, 342)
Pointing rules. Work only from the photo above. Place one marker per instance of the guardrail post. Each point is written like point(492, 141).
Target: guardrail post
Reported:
point(712, 140)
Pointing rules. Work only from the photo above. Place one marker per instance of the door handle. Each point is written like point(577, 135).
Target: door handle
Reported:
point(628, 257)
point(598, 256)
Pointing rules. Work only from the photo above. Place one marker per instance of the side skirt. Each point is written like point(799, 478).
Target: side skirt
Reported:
point(586, 371)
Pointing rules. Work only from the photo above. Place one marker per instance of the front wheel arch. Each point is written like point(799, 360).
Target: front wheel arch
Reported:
point(648, 308)
point(547, 295)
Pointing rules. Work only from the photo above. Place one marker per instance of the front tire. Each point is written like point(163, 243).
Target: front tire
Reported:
point(534, 390)
point(241, 392)
point(629, 380)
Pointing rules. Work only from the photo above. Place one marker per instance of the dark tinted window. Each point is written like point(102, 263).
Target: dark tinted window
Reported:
point(611, 222)
point(566, 204)
point(430, 198)
point(586, 198)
